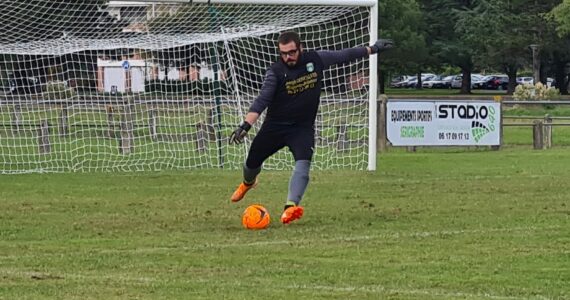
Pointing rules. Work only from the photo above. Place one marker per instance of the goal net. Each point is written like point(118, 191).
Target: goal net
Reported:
point(125, 86)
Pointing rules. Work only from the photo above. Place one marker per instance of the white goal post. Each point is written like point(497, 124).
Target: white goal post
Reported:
point(156, 85)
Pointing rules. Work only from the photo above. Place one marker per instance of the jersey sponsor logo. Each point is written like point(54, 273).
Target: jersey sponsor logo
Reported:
point(301, 84)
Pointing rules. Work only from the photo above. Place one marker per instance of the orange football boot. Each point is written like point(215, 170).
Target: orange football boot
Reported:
point(242, 190)
point(291, 214)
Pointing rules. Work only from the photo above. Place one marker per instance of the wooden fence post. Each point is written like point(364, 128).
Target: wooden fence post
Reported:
point(127, 141)
point(63, 122)
point(16, 119)
point(381, 126)
point(43, 137)
point(211, 121)
point(318, 134)
point(152, 122)
point(538, 135)
point(342, 142)
point(110, 122)
point(201, 137)
point(547, 131)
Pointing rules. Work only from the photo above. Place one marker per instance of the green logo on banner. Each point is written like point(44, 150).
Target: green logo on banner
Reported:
point(478, 130)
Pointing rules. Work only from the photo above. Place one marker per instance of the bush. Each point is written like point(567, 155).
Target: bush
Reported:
point(57, 90)
point(538, 91)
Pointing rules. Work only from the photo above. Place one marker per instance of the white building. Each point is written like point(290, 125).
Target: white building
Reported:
point(122, 76)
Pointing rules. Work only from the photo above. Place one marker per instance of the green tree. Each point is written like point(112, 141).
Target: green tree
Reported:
point(494, 34)
point(39, 20)
point(402, 21)
point(555, 43)
point(559, 44)
point(448, 43)
point(561, 14)
point(496, 31)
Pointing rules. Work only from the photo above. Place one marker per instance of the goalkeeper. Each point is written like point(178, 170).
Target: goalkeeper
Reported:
point(291, 94)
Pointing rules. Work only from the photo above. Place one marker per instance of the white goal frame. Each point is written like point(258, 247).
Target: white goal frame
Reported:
point(151, 85)
point(373, 60)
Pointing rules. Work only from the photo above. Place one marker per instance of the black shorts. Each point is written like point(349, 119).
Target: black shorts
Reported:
point(273, 137)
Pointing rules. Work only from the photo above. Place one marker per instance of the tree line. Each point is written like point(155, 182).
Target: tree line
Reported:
point(477, 36)
point(440, 36)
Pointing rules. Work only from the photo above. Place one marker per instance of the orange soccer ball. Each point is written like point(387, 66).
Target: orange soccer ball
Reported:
point(255, 217)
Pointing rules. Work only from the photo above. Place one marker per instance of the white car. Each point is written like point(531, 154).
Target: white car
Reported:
point(481, 82)
point(403, 83)
point(525, 80)
point(434, 83)
point(457, 80)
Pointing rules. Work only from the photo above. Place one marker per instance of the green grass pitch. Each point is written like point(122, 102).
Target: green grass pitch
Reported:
point(445, 224)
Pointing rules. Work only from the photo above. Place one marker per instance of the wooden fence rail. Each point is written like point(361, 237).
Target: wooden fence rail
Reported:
point(118, 121)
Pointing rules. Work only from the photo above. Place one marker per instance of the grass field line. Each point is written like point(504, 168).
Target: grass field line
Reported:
point(427, 178)
point(305, 242)
point(37, 275)
point(376, 289)
point(393, 235)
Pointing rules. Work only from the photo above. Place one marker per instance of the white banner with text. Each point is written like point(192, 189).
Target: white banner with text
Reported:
point(443, 123)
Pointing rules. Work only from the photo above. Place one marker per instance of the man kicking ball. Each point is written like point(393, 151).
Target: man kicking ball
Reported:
point(291, 94)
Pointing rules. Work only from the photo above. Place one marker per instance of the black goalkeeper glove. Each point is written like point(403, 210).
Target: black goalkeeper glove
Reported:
point(240, 133)
point(382, 45)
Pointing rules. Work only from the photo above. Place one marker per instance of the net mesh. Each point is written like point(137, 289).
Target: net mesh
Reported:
point(123, 86)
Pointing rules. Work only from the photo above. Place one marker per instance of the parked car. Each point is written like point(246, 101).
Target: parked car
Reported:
point(496, 82)
point(478, 82)
point(24, 85)
point(525, 80)
point(445, 82)
point(402, 83)
point(414, 82)
point(438, 82)
point(457, 80)
point(398, 78)
point(432, 82)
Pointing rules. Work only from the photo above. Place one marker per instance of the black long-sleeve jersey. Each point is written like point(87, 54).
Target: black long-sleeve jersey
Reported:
point(292, 94)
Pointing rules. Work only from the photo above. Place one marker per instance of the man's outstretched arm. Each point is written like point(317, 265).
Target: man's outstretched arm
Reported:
point(330, 58)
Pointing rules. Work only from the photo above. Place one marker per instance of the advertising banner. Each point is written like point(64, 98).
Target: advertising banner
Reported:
point(443, 123)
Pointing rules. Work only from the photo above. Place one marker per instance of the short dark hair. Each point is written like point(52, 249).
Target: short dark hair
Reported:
point(288, 37)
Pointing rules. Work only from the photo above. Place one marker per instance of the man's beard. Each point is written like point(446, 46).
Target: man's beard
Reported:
point(291, 63)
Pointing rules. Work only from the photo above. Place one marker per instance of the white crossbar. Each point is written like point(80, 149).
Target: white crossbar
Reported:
point(368, 3)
